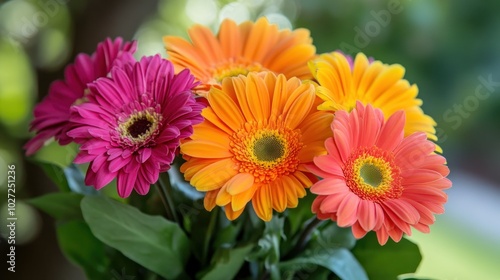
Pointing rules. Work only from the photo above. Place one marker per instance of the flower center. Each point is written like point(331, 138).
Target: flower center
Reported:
point(140, 127)
point(372, 174)
point(269, 148)
point(266, 151)
point(234, 69)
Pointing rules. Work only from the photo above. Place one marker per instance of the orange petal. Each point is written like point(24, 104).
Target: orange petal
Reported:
point(232, 215)
point(225, 108)
point(278, 195)
point(205, 149)
point(262, 205)
point(206, 43)
point(240, 200)
point(258, 97)
point(209, 115)
point(214, 175)
point(296, 110)
point(239, 183)
point(230, 38)
point(223, 197)
point(209, 200)
point(193, 165)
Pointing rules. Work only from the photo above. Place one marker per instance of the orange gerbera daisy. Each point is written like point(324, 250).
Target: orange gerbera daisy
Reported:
point(375, 179)
point(375, 83)
point(259, 132)
point(240, 49)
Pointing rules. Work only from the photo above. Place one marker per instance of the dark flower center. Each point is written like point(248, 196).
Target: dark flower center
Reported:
point(139, 127)
point(371, 175)
point(268, 148)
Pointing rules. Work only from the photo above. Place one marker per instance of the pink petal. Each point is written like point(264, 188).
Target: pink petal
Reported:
point(358, 231)
point(331, 203)
point(393, 132)
point(347, 213)
point(144, 154)
point(329, 186)
point(342, 144)
point(125, 183)
point(405, 211)
point(329, 164)
point(367, 215)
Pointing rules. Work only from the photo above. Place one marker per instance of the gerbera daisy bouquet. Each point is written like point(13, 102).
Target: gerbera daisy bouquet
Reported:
point(243, 154)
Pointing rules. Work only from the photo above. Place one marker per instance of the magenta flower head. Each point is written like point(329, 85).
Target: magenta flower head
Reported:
point(52, 114)
point(133, 123)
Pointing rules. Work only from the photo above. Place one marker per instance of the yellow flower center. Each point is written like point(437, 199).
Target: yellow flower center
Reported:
point(234, 69)
point(140, 126)
point(268, 148)
point(372, 174)
point(266, 151)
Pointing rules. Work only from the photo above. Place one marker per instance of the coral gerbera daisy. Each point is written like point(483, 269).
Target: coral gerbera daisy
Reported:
point(239, 49)
point(375, 179)
point(52, 114)
point(132, 124)
point(259, 132)
point(371, 82)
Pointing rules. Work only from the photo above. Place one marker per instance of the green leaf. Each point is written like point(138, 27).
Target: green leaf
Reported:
point(61, 206)
point(411, 276)
point(395, 258)
point(151, 241)
point(333, 236)
point(56, 174)
point(299, 215)
point(68, 178)
point(339, 261)
point(56, 154)
point(80, 246)
point(76, 180)
point(227, 264)
point(268, 249)
point(227, 236)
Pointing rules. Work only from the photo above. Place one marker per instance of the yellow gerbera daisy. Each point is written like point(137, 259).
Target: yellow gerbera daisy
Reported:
point(374, 83)
point(259, 132)
point(240, 49)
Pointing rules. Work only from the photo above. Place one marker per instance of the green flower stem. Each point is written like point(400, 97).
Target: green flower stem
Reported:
point(304, 238)
point(209, 234)
point(164, 190)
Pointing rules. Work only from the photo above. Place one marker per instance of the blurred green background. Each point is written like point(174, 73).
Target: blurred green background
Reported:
point(450, 49)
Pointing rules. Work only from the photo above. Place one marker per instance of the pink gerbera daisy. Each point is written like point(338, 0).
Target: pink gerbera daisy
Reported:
point(374, 179)
point(52, 114)
point(132, 124)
